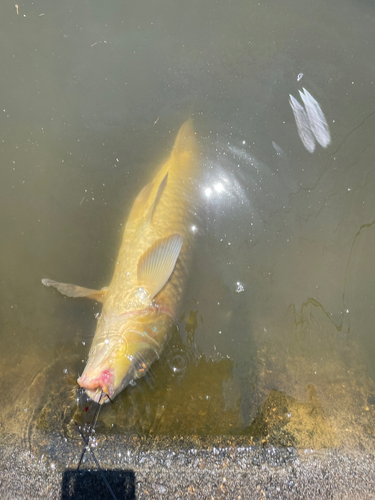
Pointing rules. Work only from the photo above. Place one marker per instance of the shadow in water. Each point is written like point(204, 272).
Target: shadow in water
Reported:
point(85, 484)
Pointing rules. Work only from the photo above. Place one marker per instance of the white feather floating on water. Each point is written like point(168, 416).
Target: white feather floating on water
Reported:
point(303, 126)
point(311, 122)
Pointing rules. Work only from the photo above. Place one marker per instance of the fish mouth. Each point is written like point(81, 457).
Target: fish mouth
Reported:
point(99, 389)
point(98, 395)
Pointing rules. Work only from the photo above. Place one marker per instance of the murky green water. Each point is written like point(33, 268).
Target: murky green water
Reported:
point(275, 339)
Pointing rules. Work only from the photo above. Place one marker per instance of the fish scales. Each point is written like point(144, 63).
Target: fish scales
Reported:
point(172, 215)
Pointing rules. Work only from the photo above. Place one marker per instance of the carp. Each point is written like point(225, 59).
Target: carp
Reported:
point(150, 273)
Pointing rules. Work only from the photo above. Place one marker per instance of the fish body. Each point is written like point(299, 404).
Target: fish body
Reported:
point(149, 277)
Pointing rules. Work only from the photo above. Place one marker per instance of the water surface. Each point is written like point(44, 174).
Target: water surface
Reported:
point(275, 338)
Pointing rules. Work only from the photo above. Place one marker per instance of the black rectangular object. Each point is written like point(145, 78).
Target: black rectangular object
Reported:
point(87, 484)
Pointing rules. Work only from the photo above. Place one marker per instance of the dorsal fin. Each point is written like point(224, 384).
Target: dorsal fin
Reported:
point(157, 198)
point(140, 202)
point(157, 263)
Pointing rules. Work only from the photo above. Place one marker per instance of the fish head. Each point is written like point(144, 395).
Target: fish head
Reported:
point(120, 356)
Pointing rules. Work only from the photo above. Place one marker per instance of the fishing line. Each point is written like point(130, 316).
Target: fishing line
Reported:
point(92, 426)
point(107, 397)
point(91, 429)
point(95, 460)
point(86, 440)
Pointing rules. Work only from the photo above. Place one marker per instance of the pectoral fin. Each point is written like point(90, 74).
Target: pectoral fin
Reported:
point(157, 263)
point(76, 291)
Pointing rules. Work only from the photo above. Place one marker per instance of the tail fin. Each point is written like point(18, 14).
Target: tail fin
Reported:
point(185, 140)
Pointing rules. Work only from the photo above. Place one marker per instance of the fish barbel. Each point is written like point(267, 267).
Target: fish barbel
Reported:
point(148, 282)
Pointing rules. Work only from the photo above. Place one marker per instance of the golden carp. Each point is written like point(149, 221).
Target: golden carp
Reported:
point(150, 272)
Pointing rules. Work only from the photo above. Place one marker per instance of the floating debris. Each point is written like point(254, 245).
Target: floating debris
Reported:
point(310, 121)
